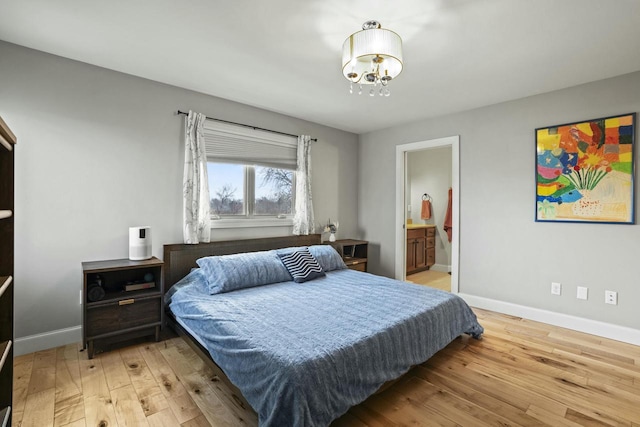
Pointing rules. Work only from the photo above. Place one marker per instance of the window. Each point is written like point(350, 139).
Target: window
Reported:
point(238, 191)
point(251, 175)
point(226, 189)
point(273, 191)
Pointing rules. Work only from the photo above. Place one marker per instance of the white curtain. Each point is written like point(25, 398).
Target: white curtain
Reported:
point(197, 219)
point(303, 221)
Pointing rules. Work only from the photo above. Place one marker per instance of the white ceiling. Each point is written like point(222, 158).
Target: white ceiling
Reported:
point(284, 55)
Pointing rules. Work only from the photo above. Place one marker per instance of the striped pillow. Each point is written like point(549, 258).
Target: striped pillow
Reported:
point(302, 265)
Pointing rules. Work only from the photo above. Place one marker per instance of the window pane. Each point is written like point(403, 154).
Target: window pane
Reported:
point(274, 191)
point(226, 183)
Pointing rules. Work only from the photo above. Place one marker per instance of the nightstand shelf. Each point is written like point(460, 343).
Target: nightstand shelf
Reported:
point(5, 349)
point(114, 314)
point(354, 252)
point(5, 415)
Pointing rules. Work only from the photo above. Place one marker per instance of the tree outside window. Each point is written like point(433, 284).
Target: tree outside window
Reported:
point(249, 191)
point(274, 195)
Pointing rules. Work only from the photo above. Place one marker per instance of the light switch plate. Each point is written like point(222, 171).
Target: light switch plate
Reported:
point(583, 293)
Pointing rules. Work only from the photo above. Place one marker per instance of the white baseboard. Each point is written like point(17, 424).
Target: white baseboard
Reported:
point(441, 267)
point(46, 340)
point(593, 327)
point(73, 334)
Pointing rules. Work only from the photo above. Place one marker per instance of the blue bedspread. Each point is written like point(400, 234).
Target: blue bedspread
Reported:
point(303, 354)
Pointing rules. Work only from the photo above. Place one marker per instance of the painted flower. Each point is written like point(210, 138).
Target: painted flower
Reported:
point(591, 168)
point(546, 209)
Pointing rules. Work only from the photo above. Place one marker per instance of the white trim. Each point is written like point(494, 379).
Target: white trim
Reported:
point(32, 343)
point(593, 327)
point(46, 340)
point(443, 268)
point(401, 159)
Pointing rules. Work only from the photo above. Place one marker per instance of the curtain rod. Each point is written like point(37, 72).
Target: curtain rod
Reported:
point(247, 126)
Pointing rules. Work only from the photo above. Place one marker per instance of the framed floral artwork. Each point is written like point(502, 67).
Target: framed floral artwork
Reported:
point(585, 171)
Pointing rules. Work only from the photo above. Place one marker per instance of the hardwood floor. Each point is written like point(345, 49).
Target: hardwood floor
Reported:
point(521, 373)
point(432, 278)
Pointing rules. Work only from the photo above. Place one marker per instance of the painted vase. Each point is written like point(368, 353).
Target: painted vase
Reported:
point(587, 206)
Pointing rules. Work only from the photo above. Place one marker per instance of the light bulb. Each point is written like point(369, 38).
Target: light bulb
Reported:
point(387, 92)
point(372, 92)
point(360, 89)
point(351, 87)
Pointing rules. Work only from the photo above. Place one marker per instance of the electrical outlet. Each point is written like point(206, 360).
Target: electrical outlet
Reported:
point(583, 293)
point(611, 297)
point(408, 208)
point(556, 288)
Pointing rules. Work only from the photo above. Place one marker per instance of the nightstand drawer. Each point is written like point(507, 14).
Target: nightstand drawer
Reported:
point(362, 266)
point(431, 232)
point(431, 242)
point(122, 314)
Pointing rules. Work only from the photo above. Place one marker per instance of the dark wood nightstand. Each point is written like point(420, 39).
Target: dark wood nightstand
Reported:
point(353, 252)
point(112, 313)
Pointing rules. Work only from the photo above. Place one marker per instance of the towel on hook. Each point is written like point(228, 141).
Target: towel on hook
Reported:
point(448, 226)
point(425, 213)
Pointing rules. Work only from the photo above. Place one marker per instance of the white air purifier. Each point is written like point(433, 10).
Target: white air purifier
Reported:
point(139, 243)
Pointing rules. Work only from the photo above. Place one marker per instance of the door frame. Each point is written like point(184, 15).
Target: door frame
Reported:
point(401, 212)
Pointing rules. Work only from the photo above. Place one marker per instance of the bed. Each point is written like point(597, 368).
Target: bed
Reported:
point(301, 354)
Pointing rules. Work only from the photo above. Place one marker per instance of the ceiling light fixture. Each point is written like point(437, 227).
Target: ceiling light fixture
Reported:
point(372, 56)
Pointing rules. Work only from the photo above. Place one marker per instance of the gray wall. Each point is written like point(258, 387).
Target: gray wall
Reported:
point(429, 171)
point(100, 151)
point(504, 254)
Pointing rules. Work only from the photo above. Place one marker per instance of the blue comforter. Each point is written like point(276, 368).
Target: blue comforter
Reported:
point(303, 353)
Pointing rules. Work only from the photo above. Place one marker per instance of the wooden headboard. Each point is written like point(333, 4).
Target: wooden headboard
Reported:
point(180, 258)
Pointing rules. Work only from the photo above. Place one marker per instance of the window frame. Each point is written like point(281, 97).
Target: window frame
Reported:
point(248, 218)
point(227, 142)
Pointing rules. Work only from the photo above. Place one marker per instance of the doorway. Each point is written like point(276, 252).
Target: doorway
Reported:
point(408, 207)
